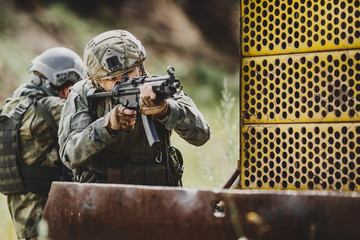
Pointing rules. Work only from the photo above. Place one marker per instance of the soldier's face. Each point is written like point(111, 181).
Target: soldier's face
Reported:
point(108, 84)
point(64, 93)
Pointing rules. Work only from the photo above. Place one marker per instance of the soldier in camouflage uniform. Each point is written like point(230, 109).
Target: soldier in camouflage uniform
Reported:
point(54, 72)
point(112, 146)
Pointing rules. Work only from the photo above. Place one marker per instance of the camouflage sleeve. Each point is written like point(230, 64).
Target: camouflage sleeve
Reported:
point(186, 120)
point(80, 138)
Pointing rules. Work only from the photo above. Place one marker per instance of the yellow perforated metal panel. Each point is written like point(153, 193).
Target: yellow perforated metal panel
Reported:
point(312, 87)
point(301, 156)
point(289, 26)
point(300, 95)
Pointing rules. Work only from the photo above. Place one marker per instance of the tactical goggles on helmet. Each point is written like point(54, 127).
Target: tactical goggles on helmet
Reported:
point(62, 77)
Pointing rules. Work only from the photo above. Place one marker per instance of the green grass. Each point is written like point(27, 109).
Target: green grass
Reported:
point(210, 165)
point(7, 231)
point(80, 30)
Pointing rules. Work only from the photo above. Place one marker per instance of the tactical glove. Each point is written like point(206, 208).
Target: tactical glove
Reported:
point(117, 120)
point(154, 108)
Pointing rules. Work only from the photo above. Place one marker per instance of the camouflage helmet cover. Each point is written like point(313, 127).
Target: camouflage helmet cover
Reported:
point(112, 53)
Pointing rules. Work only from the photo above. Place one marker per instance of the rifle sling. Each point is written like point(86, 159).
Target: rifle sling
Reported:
point(46, 115)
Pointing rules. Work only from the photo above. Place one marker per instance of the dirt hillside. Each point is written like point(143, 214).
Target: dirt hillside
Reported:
point(202, 30)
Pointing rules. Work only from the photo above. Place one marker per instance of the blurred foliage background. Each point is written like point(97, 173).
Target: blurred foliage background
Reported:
point(200, 39)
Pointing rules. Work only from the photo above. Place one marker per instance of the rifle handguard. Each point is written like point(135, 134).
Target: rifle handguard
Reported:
point(153, 108)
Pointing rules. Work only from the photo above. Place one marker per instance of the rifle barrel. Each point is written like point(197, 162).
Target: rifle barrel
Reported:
point(101, 94)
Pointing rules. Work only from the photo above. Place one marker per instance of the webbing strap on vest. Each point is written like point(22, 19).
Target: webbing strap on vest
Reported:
point(15, 176)
point(46, 115)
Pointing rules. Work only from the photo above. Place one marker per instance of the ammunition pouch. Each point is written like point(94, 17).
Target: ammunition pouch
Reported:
point(139, 168)
point(167, 172)
point(176, 165)
point(138, 173)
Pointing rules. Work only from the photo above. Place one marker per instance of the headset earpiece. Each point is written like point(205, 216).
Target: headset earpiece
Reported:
point(36, 80)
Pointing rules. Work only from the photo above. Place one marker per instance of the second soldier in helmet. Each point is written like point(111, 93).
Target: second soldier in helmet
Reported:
point(37, 106)
point(106, 142)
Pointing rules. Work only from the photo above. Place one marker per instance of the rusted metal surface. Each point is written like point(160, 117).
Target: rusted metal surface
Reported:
point(108, 211)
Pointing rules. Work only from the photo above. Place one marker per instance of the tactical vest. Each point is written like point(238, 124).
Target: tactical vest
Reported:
point(15, 175)
point(137, 163)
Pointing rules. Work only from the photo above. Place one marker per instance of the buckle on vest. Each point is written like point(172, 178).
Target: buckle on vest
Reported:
point(20, 109)
point(18, 112)
point(159, 157)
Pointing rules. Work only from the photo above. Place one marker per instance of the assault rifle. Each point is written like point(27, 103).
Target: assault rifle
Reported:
point(127, 92)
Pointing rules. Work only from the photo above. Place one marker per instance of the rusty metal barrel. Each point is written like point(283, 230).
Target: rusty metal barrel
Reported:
point(109, 211)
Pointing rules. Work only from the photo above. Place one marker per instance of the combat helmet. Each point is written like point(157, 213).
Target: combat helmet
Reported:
point(56, 66)
point(111, 54)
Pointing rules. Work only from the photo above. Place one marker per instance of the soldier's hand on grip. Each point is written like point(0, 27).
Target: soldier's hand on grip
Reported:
point(120, 118)
point(148, 105)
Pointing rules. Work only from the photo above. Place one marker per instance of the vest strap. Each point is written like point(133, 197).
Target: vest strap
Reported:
point(46, 115)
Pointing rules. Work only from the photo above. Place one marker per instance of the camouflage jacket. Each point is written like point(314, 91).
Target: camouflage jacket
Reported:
point(82, 138)
point(38, 148)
